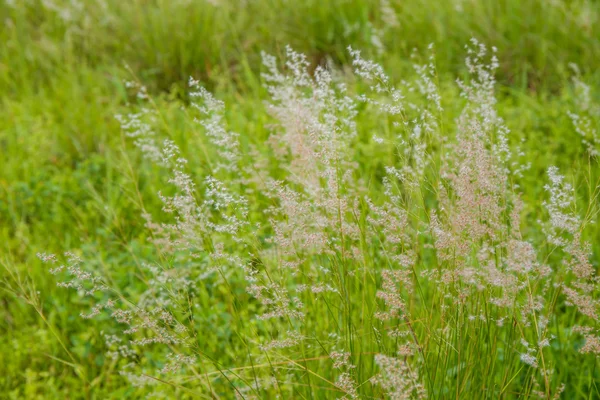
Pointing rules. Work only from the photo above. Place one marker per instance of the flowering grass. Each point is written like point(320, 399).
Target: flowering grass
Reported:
point(343, 217)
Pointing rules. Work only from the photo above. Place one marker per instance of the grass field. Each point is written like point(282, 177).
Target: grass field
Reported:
point(327, 231)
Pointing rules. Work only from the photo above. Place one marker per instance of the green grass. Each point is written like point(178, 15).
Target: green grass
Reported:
point(69, 179)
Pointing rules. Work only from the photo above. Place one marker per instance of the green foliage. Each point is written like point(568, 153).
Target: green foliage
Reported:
point(70, 179)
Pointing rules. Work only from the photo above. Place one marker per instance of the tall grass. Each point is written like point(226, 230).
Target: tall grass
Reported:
point(411, 282)
point(299, 223)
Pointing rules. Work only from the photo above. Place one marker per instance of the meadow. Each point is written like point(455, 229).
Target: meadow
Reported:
point(359, 199)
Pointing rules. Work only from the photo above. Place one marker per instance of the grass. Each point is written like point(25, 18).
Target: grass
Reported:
point(70, 179)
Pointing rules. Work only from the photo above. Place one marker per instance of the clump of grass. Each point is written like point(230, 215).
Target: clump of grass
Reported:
point(408, 280)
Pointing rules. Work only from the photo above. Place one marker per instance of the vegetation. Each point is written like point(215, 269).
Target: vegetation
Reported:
point(313, 199)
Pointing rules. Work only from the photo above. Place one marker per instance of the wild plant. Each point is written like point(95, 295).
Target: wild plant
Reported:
point(408, 280)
